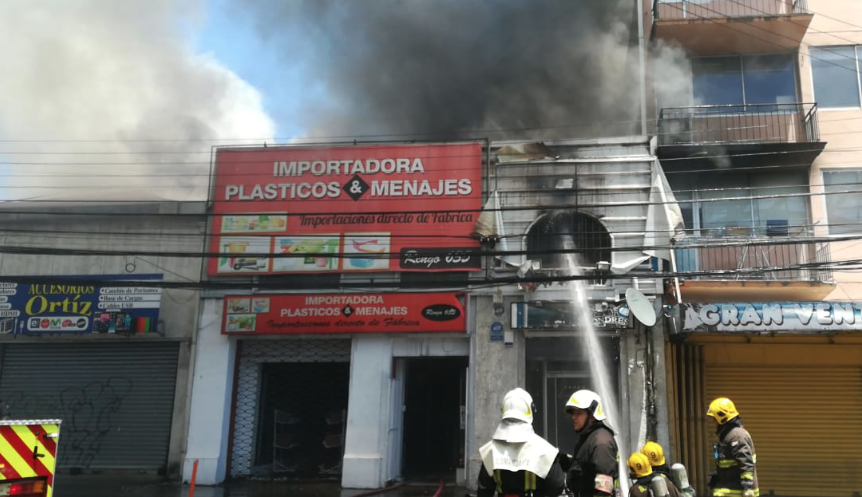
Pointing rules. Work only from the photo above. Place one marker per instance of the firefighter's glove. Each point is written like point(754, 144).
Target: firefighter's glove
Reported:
point(713, 480)
point(565, 461)
point(748, 493)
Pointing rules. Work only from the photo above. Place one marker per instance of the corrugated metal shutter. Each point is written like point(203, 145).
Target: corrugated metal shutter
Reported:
point(115, 399)
point(687, 405)
point(806, 423)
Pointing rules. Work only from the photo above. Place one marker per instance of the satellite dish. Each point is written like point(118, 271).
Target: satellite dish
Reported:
point(640, 307)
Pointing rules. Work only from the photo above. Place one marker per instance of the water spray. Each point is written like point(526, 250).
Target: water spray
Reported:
point(598, 368)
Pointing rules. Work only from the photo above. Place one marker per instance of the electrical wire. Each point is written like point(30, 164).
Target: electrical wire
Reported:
point(308, 281)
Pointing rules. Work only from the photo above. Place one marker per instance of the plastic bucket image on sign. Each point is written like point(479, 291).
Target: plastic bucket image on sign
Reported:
point(367, 251)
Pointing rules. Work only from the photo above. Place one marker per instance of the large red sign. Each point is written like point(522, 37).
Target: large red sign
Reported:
point(344, 313)
point(343, 209)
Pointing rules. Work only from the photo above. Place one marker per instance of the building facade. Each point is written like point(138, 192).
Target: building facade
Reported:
point(757, 137)
point(99, 312)
point(368, 347)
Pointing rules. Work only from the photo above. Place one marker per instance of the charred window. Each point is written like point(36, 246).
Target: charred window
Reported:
point(559, 233)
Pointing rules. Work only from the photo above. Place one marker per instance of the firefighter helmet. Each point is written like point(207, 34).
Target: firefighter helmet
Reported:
point(722, 410)
point(654, 453)
point(518, 404)
point(588, 401)
point(639, 465)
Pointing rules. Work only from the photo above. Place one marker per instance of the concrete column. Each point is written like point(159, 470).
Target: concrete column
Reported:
point(497, 368)
point(633, 352)
point(659, 338)
point(212, 390)
point(368, 415)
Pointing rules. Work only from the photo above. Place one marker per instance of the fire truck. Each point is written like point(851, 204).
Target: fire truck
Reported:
point(28, 452)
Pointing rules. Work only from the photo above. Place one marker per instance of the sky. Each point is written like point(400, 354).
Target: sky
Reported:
point(125, 100)
point(229, 32)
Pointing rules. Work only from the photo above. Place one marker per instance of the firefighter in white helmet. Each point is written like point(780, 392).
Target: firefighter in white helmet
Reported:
point(594, 471)
point(517, 461)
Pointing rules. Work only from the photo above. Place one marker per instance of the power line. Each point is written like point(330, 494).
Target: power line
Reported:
point(785, 19)
point(307, 281)
point(562, 206)
point(535, 162)
point(206, 175)
point(712, 244)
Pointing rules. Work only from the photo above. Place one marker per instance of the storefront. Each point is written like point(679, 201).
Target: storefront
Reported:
point(348, 386)
point(558, 358)
point(794, 371)
point(90, 353)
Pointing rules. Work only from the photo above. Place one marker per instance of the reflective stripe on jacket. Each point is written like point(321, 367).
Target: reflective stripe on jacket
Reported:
point(522, 483)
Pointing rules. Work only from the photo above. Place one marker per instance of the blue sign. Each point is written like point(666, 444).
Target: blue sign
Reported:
point(78, 306)
point(497, 332)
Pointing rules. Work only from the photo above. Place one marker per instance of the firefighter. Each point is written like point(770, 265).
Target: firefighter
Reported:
point(517, 461)
point(644, 479)
point(735, 473)
point(655, 454)
point(594, 471)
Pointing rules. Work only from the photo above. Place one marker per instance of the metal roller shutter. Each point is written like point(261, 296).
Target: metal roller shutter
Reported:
point(806, 423)
point(115, 399)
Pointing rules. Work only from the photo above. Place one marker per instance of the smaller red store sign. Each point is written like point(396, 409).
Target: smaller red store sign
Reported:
point(340, 313)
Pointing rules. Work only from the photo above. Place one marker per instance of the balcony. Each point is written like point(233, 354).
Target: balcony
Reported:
point(712, 27)
point(739, 264)
point(727, 130)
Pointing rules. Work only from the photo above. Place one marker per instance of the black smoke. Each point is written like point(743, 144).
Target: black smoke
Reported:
point(445, 68)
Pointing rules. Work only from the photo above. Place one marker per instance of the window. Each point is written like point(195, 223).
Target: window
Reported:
point(843, 210)
point(759, 204)
point(836, 76)
point(557, 231)
point(752, 79)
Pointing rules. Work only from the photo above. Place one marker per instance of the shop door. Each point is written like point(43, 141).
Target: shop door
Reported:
point(262, 387)
point(433, 438)
point(303, 415)
point(115, 399)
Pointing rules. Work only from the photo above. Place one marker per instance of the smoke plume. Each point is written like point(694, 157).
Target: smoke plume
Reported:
point(109, 100)
point(438, 68)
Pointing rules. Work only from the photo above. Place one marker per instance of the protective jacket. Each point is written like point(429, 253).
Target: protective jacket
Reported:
point(595, 456)
point(517, 462)
point(735, 463)
point(642, 487)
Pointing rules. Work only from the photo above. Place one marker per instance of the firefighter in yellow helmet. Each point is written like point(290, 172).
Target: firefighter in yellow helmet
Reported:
point(517, 461)
point(655, 453)
point(642, 475)
point(736, 474)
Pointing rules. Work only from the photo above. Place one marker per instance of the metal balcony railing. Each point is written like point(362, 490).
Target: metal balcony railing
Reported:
point(736, 256)
point(710, 9)
point(740, 124)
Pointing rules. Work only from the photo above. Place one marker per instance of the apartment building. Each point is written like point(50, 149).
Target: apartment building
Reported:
point(758, 136)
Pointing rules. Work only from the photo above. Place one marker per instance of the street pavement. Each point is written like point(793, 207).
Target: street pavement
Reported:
point(148, 486)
